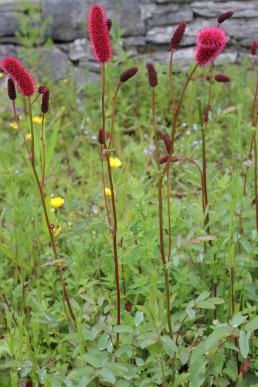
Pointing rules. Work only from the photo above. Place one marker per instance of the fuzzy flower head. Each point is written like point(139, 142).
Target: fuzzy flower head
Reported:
point(152, 75)
point(177, 36)
point(19, 74)
point(210, 42)
point(99, 37)
point(57, 202)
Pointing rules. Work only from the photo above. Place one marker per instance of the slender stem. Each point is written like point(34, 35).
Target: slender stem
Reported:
point(104, 185)
point(174, 124)
point(20, 129)
point(111, 141)
point(171, 79)
point(114, 228)
point(255, 180)
point(43, 152)
point(169, 216)
point(43, 201)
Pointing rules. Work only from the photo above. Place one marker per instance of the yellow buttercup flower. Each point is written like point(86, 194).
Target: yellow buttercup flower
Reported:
point(37, 119)
point(65, 81)
point(57, 202)
point(107, 191)
point(28, 136)
point(1, 75)
point(13, 125)
point(114, 162)
point(57, 231)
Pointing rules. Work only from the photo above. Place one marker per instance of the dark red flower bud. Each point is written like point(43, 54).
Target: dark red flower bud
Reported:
point(206, 114)
point(245, 366)
point(254, 47)
point(51, 226)
point(177, 36)
point(167, 141)
point(164, 159)
point(152, 75)
point(222, 78)
point(45, 102)
point(109, 24)
point(42, 89)
point(11, 89)
point(224, 16)
point(100, 136)
point(128, 307)
point(127, 74)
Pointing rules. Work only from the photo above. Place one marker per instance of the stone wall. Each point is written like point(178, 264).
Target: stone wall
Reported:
point(147, 26)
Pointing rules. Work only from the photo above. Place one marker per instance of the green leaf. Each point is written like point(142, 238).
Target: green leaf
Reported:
point(244, 343)
point(92, 360)
point(237, 320)
point(205, 305)
point(123, 329)
point(207, 237)
point(229, 110)
point(169, 345)
point(252, 325)
point(108, 375)
point(138, 318)
point(103, 341)
point(79, 372)
point(197, 372)
point(179, 380)
point(219, 334)
point(26, 367)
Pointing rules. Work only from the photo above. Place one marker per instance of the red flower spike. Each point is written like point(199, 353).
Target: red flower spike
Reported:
point(128, 307)
point(254, 47)
point(206, 114)
point(152, 75)
point(127, 74)
point(222, 78)
point(99, 35)
point(11, 89)
point(224, 16)
point(210, 42)
point(245, 366)
point(109, 24)
point(19, 74)
point(45, 102)
point(42, 89)
point(177, 36)
point(100, 136)
point(167, 141)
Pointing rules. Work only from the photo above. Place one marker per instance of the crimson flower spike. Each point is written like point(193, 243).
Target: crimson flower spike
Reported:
point(11, 89)
point(177, 36)
point(127, 74)
point(253, 48)
point(45, 102)
point(210, 42)
point(109, 24)
point(101, 136)
point(99, 37)
point(152, 75)
point(42, 89)
point(19, 74)
point(222, 78)
point(224, 16)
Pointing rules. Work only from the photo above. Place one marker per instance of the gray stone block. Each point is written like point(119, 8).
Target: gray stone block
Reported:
point(243, 9)
point(8, 24)
point(7, 50)
point(171, 18)
point(68, 19)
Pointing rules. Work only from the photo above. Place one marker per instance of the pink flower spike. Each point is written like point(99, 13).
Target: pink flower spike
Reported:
point(177, 36)
point(224, 16)
point(19, 74)
point(222, 78)
point(99, 37)
point(254, 47)
point(210, 42)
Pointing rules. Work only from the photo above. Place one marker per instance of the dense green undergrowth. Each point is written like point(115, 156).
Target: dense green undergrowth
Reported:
point(38, 344)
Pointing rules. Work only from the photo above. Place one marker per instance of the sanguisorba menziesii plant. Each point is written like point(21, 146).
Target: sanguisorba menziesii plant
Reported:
point(19, 76)
point(100, 41)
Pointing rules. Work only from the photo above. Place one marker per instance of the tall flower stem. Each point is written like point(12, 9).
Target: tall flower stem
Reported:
point(111, 141)
point(31, 156)
point(113, 203)
point(172, 91)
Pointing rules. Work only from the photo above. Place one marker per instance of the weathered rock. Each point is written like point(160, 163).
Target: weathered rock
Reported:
point(21, 5)
point(8, 50)
point(68, 19)
point(171, 18)
point(77, 50)
point(130, 18)
point(9, 24)
point(154, 10)
point(242, 9)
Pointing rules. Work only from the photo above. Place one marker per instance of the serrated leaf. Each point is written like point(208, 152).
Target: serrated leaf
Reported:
point(103, 341)
point(92, 360)
point(169, 345)
point(123, 329)
point(252, 325)
point(219, 334)
point(139, 317)
point(179, 380)
point(108, 375)
point(244, 343)
point(237, 320)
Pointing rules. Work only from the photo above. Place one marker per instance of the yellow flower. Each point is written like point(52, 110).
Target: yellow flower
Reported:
point(1, 75)
point(107, 191)
point(57, 231)
point(13, 125)
point(65, 81)
point(37, 120)
point(28, 136)
point(114, 162)
point(57, 202)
